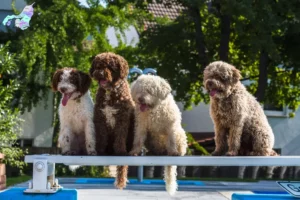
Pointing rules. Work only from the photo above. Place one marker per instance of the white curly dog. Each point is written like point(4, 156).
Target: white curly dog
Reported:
point(158, 123)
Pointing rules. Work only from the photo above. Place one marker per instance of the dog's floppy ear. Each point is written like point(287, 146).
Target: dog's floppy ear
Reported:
point(236, 75)
point(164, 88)
point(85, 82)
point(132, 85)
point(205, 74)
point(133, 88)
point(56, 79)
point(124, 68)
point(92, 69)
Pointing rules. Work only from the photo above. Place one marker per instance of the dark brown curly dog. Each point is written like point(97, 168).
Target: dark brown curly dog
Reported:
point(114, 109)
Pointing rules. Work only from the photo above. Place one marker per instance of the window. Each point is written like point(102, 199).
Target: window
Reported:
point(275, 111)
point(24, 142)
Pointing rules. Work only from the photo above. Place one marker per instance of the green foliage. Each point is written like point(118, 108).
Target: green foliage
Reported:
point(61, 34)
point(16, 180)
point(255, 26)
point(9, 119)
point(194, 144)
point(83, 171)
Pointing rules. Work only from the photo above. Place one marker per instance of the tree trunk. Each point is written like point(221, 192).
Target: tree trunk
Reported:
point(263, 75)
point(225, 34)
point(195, 13)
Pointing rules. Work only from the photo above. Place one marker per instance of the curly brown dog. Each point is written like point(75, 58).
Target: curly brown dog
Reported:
point(114, 109)
point(241, 127)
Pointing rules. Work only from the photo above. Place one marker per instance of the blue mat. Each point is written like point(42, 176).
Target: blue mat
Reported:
point(134, 181)
point(237, 196)
point(18, 194)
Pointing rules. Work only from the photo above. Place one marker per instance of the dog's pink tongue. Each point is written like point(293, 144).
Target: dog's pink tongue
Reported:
point(65, 99)
point(213, 93)
point(103, 82)
point(143, 107)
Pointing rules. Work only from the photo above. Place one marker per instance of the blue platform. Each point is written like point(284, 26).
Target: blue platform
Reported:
point(237, 196)
point(18, 194)
point(270, 192)
point(134, 181)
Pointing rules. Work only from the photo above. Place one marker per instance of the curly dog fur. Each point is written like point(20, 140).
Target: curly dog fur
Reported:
point(77, 132)
point(241, 127)
point(158, 123)
point(114, 109)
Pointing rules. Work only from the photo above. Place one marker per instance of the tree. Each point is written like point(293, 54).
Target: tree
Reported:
point(61, 34)
point(9, 120)
point(257, 37)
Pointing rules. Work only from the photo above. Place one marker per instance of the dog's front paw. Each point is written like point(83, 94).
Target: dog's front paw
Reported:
point(133, 153)
point(231, 153)
point(173, 153)
point(92, 153)
point(216, 153)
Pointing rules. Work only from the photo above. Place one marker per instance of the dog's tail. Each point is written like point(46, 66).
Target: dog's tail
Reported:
point(170, 174)
point(73, 168)
point(121, 178)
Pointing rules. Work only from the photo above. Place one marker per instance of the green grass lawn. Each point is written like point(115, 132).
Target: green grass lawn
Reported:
point(10, 181)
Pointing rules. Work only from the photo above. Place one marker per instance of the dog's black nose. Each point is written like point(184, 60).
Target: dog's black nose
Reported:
point(141, 99)
point(63, 89)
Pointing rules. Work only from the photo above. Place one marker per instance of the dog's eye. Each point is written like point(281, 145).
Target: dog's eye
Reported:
point(114, 70)
point(148, 91)
point(223, 78)
point(113, 67)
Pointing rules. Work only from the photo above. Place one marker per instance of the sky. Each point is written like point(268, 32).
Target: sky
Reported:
point(83, 2)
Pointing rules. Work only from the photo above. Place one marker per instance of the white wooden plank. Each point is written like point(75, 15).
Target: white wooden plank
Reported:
point(168, 160)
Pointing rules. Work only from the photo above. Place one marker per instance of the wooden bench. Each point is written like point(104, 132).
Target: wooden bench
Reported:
point(44, 165)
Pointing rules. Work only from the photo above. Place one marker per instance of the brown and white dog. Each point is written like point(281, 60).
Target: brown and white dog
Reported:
point(77, 131)
point(114, 109)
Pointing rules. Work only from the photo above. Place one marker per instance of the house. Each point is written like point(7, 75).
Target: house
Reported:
point(38, 130)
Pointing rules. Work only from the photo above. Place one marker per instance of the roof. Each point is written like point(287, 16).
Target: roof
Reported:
point(170, 11)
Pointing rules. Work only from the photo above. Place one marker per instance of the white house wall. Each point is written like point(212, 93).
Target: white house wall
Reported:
point(131, 36)
point(37, 124)
point(197, 120)
point(287, 134)
point(6, 5)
